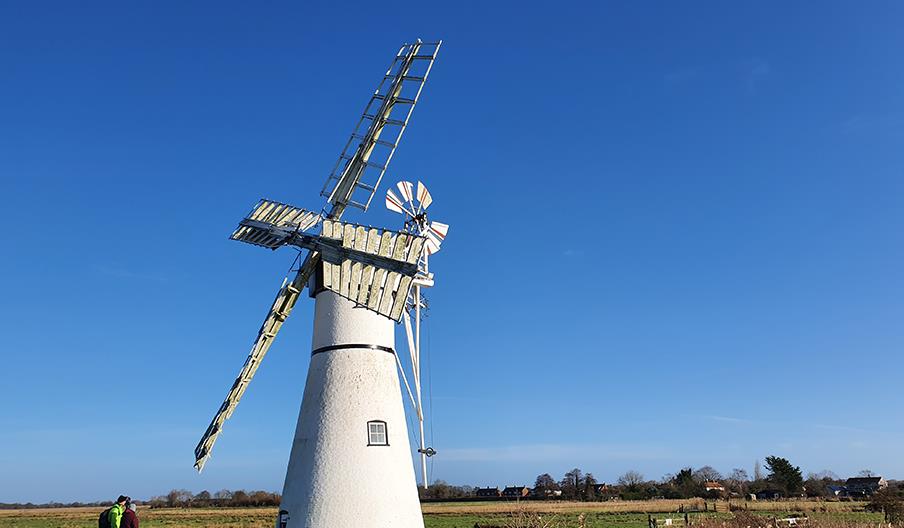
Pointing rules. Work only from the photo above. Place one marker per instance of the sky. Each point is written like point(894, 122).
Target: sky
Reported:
point(676, 233)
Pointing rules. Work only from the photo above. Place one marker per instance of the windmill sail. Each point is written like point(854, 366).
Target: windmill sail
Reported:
point(285, 300)
point(368, 151)
point(277, 215)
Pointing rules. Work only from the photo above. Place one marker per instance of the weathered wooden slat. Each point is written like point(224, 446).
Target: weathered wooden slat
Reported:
point(373, 241)
point(280, 214)
point(274, 212)
point(262, 210)
point(415, 249)
point(291, 218)
point(336, 274)
point(360, 244)
point(385, 244)
point(401, 296)
point(327, 271)
point(376, 288)
point(373, 298)
point(348, 240)
point(309, 220)
point(401, 246)
point(367, 279)
point(367, 272)
point(345, 270)
point(392, 281)
point(348, 236)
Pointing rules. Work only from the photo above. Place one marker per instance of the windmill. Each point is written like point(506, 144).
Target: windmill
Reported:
point(350, 463)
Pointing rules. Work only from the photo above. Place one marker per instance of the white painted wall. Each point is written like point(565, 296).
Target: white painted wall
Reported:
point(335, 479)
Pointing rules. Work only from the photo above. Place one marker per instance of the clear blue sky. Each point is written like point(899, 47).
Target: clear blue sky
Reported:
point(676, 233)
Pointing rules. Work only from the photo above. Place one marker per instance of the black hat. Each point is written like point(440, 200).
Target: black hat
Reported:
point(123, 498)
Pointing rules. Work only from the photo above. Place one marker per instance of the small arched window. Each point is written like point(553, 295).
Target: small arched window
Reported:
point(377, 435)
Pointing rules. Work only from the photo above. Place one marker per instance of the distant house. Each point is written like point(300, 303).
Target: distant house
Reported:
point(769, 494)
point(515, 492)
point(603, 490)
point(836, 491)
point(537, 492)
point(864, 486)
point(713, 486)
point(488, 492)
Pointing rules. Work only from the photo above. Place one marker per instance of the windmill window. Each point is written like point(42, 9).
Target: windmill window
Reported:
point(376, 433)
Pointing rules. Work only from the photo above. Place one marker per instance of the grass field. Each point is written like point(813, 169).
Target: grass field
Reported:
point(625, 514)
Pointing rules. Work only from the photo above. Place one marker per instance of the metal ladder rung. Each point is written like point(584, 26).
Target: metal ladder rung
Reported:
point(417, 78)
point(366, 186)
point(423, 57)
point(356, 204)
point(376, 165)
point(378, 141)
point(403, 100)
point(396, 122)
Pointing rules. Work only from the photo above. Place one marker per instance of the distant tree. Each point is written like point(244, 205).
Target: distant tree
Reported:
point(684, 485)
point(826, 474)
point(440, 489)
point(866, 473)
point(179, 498)
point(817, 485)
point(706, 474)
point(589, 485)
point(223, 494)
point(738, 480)
point(239, 498)
point(202, 499)
point(158, 501)
point(263, 498)
point(545, 485)
point(889, 501)
point(757, 471)
point(570, 484)
point(631, 480)
point(783, 475)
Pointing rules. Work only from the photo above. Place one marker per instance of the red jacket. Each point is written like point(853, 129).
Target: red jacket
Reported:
point(129, 520)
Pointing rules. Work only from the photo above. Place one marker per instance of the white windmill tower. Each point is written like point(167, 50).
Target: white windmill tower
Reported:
point(350, 463)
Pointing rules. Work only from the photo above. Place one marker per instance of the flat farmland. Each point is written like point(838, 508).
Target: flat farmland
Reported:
point(617, 514)
point(169, 517)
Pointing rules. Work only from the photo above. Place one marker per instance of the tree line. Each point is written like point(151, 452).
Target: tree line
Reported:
point(778, 476)
point(177, 498)
point(182, 498)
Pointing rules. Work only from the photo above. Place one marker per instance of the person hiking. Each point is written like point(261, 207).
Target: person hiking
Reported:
point(114, 514)
point(130, 516)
